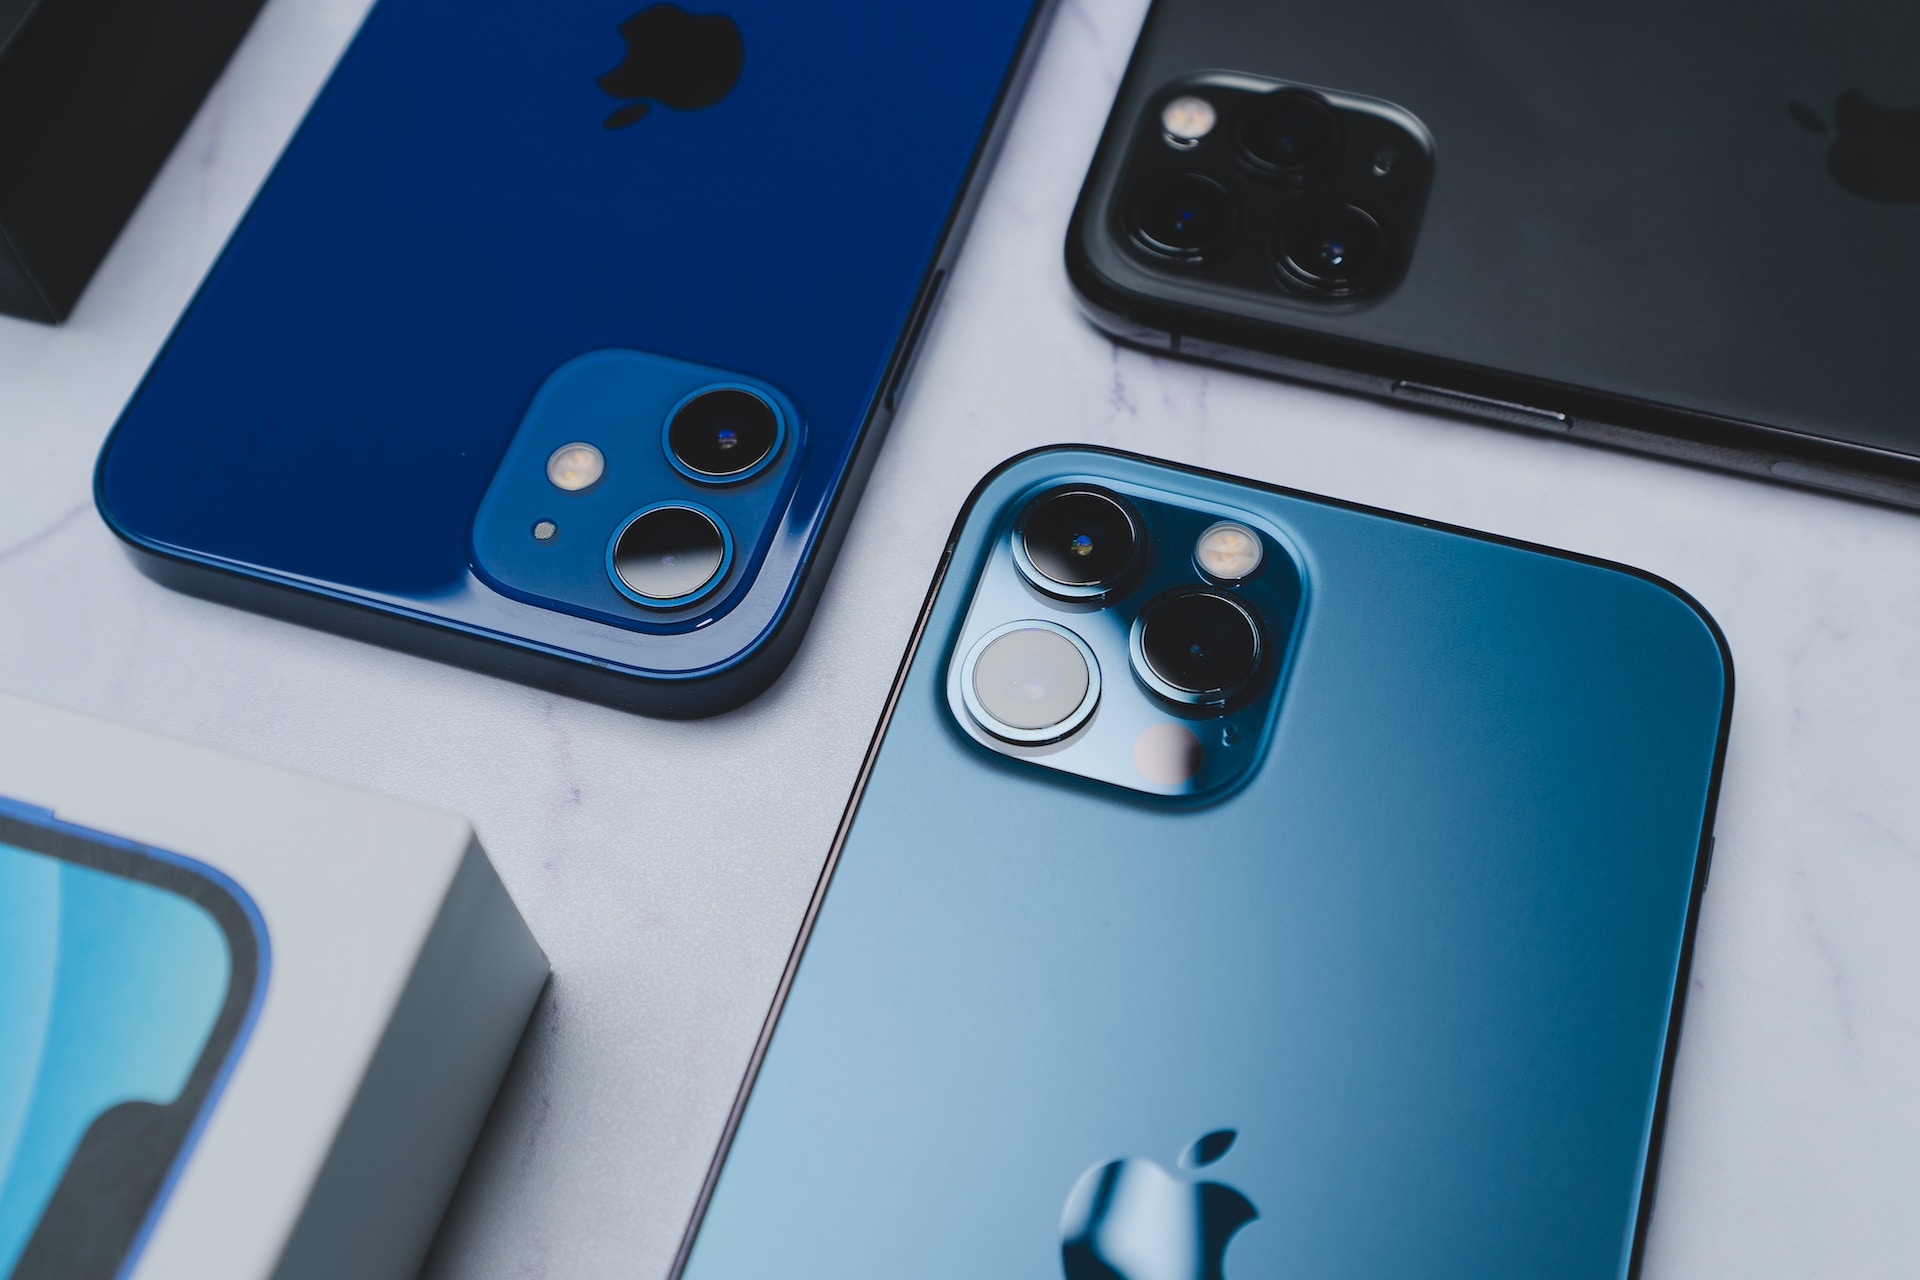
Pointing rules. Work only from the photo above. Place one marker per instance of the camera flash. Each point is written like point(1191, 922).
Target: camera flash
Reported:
point(1228, 551)
point(574, 467)
point(1187, 120)
point(545, 531)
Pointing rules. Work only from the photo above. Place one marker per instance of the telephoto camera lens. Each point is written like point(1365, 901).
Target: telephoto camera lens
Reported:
point(1196, 646)
point(1336, 249)
point(667, 556)
point(1292, 133)
point(1183, 216)
point(1077, 542)
point(723, 434)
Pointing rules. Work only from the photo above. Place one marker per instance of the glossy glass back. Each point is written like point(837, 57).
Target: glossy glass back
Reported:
point(487, 192)
point(1708, 206)
point(1400, 1000)
point(127, 980)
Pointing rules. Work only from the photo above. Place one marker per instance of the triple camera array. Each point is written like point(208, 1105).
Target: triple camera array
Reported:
point(1194, 644)
point(1276, 187)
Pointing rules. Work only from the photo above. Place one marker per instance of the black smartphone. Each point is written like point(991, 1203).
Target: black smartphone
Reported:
point(1690, 229)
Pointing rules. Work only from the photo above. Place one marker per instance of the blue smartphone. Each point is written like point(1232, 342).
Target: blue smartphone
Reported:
point(562, 337)
point(1242, 883)
point(129, 978)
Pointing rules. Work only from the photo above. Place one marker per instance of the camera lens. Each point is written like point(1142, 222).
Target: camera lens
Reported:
point(1292, 133)
point(1031, 682)
point(1184, 216)
point(1196, 646)
point(667, 556)
point(1077, 542)
point(1331, 248)
point(723, 434)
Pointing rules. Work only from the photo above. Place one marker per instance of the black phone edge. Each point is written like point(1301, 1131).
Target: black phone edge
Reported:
point(689, 697)
point(1473, 392)
point(1702, 857)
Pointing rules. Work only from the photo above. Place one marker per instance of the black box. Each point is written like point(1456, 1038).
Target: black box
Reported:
point(93, 95)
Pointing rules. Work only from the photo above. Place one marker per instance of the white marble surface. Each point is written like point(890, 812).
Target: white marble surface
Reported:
point(664, 866)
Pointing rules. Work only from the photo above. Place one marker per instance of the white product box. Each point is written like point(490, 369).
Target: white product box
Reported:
point(250, 1022)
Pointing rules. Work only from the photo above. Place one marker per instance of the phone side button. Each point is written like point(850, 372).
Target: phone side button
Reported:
point(1506, 411)
point(1706, 873)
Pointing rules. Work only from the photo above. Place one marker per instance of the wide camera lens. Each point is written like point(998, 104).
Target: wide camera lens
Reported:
point(1077, 541)
point(1196, 646)
point(1184, 216)
point(1334, 249)
point(1031, 682)
point(723, 434)
point(667, 556)
point(1292, 133)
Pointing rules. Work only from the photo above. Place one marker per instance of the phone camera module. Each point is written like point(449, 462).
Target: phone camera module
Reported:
point(1184, 216)
point(1076, 543)
point(1195, 647)
point(1335, 249)
point(1030, 682)
point(1291, 133)
point(727, 433)
point(669, 555)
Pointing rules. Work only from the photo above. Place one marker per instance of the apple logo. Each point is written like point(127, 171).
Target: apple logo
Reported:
point(1876, 149)
point(1132, 1220)
point(686, 60)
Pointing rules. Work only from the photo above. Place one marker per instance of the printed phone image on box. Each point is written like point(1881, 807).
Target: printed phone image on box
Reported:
point(129, 978)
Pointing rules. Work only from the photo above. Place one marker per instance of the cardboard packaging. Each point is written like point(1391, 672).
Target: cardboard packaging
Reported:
point(93, 95)
point(250, 1022)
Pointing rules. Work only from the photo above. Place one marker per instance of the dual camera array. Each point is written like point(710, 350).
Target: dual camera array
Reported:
point(671, 554)
point(1192, 644)
point(1317, 194)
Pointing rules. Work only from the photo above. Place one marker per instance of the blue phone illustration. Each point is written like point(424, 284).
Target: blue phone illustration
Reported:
point(562, 338)
point(129, 978)
point(1243, 883)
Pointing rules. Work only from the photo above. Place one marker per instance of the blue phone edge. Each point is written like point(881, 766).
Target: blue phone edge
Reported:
point(723, 687)
point(1703, 852)
point(251, 957)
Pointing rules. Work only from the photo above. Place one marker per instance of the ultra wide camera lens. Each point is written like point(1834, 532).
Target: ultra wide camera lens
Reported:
point(1183, 216)
point(1031, 682)
point(1077, 542)
point(667, 556)
point(723, 434)
point(1335, 249)
point(1292, 133)
point(1196, 646)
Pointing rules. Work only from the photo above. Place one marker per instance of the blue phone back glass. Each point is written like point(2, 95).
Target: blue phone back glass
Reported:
point(453, 222)
point(1424, 960)
point(109, 990)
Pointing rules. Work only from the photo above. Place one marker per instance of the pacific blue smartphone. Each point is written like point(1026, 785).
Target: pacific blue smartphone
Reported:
point(1691, 230)
point(1241, 882)
point(562, 337)
point(129, 978)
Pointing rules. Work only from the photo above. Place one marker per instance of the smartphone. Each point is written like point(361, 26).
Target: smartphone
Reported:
point(1685, 230)
point(129, 979)
point(562, 337)
point(1246, 883)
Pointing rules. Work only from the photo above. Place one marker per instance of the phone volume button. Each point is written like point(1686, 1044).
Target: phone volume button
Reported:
point(1506, 411)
